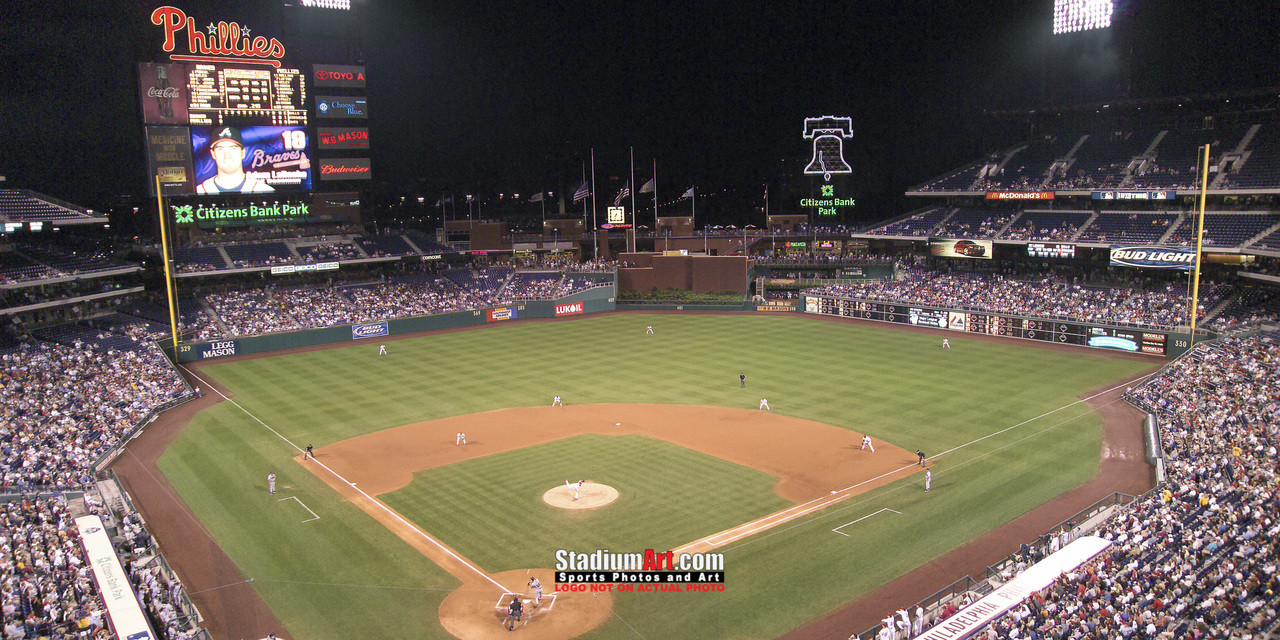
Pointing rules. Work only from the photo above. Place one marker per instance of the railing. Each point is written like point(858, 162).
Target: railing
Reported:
point(1073, 527)
point(951, 593)
point(189, 617)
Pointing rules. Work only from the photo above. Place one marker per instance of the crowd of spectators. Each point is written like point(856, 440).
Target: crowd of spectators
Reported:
point(1197, 557)
point(1045, 297)
point(62, 407)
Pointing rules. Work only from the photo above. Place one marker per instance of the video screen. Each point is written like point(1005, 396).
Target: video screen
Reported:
point(257, 159)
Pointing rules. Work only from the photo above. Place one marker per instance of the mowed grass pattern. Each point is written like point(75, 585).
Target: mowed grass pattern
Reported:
point(693, 494)
point(898, 385)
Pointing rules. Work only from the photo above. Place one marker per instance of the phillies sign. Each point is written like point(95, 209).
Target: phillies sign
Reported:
point(217, 42)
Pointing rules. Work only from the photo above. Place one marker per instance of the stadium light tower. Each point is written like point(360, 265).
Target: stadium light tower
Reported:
point(1070, 16)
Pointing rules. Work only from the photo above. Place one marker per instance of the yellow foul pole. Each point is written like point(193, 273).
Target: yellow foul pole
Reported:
point(1195, 280)
point(168, 276)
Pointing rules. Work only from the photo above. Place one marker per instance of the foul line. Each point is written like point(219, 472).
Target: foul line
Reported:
point(353, 486)
point(295, 499)
point(838, 529)
point(804, 508)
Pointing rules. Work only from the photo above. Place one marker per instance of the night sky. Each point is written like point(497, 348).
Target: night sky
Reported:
point(485, 96)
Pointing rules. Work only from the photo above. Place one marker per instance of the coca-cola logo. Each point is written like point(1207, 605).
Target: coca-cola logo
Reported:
point(218, 42)
point(167, 92)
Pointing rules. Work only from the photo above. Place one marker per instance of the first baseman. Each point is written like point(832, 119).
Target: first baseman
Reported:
point(271, 482)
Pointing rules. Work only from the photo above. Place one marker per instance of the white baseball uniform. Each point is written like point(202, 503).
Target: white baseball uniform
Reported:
point(537, 591)
point(928, 478)
point(648, 330)
point(866, 444)
point(576, 487)
point(555, 402)
point(462, 439)
point(946, 344)
point(382, 349)
point(271, 482)
point(764, 404)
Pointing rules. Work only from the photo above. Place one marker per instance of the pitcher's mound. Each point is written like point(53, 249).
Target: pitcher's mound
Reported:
point(591, 496)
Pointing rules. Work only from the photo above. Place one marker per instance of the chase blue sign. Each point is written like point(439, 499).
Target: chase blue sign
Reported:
point(336, 107)
point(371, 330)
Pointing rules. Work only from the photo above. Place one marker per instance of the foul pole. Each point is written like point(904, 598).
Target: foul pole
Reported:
point(1195, 280)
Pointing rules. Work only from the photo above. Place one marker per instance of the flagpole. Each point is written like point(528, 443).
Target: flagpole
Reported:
point(631, 246)
point(655, 204)
point(595, 237)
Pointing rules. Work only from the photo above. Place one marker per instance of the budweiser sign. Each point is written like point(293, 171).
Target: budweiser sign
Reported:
point(217, 42)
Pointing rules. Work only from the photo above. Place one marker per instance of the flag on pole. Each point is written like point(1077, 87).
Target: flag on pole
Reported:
point(537, 197)
point(581, 192)
point(648, 187)
point(687, 194)
point(626, 191)
point(440, 202)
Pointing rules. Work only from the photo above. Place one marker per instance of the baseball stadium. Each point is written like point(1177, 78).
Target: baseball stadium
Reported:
point(1032, 393)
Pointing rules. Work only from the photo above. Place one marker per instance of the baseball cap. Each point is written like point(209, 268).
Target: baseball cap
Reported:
point(226, 133)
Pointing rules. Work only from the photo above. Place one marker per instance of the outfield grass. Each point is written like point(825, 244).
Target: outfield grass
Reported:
point(343, 575)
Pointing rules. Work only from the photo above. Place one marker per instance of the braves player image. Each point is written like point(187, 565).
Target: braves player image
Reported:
point(537, 591)
point(576, 487)
point(866, 443)
point(515, 611)
point(227, 149)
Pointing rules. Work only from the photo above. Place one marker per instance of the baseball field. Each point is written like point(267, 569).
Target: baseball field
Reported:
point(396, 531)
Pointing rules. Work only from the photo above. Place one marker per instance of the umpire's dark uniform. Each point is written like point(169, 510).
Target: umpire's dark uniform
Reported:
point(514, 612)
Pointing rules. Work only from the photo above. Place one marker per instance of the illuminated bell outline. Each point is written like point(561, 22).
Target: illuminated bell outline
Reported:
point(828, 147)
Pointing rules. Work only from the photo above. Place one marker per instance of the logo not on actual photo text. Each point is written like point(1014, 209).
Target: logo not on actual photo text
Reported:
point(649, 570)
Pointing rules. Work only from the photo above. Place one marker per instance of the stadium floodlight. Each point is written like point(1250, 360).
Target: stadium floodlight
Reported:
point(1081, 15)
point(344, 5)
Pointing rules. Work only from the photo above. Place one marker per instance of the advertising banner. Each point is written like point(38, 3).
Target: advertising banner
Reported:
point(250, 160)
point(927, 317)
point(219, 349)
point(1134, 195)
point(505, 313)
point(214, 215)
point(371, 330)
point(1019, 195)
point(569, 309)
point(1153, 257)
point(338, 107)
point(342, 138)
point(344, 168)
point(1050, 250)
point(303, 268)
point(163, 90)
point(126, 615)
point(945, 248)
point(169, 157)
point(337, 75)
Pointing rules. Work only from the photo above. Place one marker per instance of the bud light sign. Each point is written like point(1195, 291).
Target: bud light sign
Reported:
point(1153, 257)
point(371, 330)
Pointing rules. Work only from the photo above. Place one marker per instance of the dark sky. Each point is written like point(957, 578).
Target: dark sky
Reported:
point(497, 95)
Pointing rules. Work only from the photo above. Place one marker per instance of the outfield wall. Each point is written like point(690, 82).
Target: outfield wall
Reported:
point(1144, 340)
point(590, 301)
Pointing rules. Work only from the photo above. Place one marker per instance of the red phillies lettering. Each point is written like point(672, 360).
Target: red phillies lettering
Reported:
point(229, 39)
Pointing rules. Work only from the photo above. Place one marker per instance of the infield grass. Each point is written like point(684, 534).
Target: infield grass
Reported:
point(345, 576)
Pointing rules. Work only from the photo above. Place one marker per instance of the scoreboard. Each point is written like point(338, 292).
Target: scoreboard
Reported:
point(1050, 250)
point(1062, 332)
point(221, 94)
